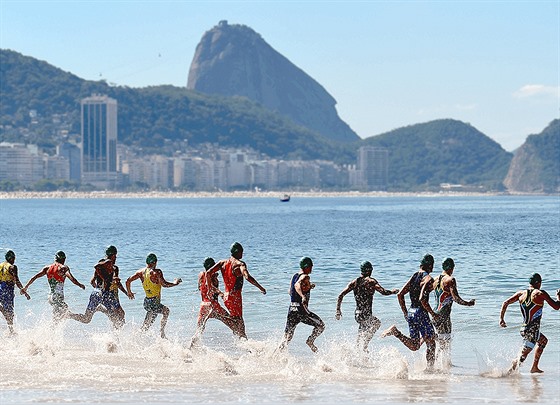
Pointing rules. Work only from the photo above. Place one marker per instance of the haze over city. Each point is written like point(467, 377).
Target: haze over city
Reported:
point(492, 64)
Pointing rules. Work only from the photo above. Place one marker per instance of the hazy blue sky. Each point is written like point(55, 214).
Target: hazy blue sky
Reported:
point(389, 64)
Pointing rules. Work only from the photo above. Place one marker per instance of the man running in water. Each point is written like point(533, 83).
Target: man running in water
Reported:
point(445, 289)
point(152, 280)
point(300, 291)
point(364, 287)
point(8, 280)
point(210, 307)
point(56, 273)
point(234, 270)
point(104, 281)
point(531, 302)
point(420, 327)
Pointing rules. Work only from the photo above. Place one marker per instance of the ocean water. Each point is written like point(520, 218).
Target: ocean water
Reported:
point(496, 242)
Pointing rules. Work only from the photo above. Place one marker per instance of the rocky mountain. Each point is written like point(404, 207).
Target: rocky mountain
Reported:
point(536, 164)
point(234, 60)
point(443, 151)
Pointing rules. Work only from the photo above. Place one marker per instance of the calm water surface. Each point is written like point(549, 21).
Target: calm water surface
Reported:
point(496, 242)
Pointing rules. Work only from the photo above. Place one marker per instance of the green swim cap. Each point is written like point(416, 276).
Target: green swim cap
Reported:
point(366, 268)
point(152, 258)
point(427, 260)
point(10, 255)
point(208, 263)
point(60, 255)
point(111, 250)
point(305, 262)
point(448, 264)
point(236, 248)
point(534, 279)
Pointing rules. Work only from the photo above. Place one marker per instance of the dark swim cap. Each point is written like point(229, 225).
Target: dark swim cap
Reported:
point(305, 262)
point(427, 260)
point(236, 248)
point(208, 262)
point(152, 258)
point(10, 255)
point(111, 250)
point(534, 279)
point(60, 255)
point(448, 264)
point(366, 267)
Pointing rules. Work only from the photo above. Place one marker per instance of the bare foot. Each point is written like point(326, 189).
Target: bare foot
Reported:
point(536, 370)
point(311, 345)
point(392, 331)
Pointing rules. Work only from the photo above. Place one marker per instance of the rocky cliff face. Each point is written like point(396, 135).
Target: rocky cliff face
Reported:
point(233, 60)
point(536, 165)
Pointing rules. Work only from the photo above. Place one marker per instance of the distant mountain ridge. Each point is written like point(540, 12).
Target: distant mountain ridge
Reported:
point(163, 119)
point(233, 60)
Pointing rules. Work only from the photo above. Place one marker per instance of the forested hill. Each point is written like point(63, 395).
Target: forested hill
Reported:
point(157, 119)
point(442, 151)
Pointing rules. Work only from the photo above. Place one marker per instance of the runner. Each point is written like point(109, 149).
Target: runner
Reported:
point(234, 270)
point(300, 292)
point(210, 307)
point(420, 327)
point(8, 280)
point(56, 275)
point(445, 289)
point(104, 281)
point(364, 287)
point(531, 302)
point(152, 280)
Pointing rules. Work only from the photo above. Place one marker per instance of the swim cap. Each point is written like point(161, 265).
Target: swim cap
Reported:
point(10, 255)
point(305, 262)
point(534, 279)
point(152, 258)
point(60, 255)
point(236, 248)
point(111, 250)
point(366, 268)
point(208, 262)
point(448, 264)
point(427, 260)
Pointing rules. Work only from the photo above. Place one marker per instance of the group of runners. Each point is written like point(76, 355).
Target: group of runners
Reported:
point(427, 324)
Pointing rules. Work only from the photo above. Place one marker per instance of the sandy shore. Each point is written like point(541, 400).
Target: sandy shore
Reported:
point(233, 194)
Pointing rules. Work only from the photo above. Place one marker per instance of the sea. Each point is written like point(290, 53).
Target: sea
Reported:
point(497, 242)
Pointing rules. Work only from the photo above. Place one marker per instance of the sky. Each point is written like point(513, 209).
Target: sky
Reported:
point(492, 64)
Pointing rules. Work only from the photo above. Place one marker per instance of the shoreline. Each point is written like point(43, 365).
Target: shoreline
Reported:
point(6, 195)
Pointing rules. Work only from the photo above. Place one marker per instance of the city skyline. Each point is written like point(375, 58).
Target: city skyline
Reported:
point(492, 64)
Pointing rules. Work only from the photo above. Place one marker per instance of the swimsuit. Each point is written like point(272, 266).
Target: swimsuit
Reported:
point(233, 285)
point(418, 320)
point(364, 301)
point(444, 300)
point(7, 282)
point(298, 313)
point(209, 307)
point(56, 284)
point(532, 314)
point(152, 302)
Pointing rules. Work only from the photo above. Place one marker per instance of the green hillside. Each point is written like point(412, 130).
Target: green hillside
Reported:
point(442, 151)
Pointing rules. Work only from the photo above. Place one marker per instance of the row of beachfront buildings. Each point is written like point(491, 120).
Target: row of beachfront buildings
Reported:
point(98, 160)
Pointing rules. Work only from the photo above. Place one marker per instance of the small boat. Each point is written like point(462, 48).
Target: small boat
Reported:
point(285, 198)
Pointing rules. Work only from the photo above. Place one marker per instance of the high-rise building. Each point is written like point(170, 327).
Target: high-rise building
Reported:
point(99, 141)
point(373, 168)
